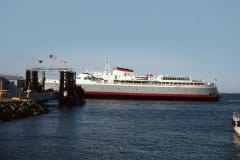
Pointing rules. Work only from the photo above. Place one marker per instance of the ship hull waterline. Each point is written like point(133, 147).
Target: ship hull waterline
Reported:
point(144, 96)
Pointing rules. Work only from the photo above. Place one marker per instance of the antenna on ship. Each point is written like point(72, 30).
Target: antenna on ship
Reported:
point(107, 68)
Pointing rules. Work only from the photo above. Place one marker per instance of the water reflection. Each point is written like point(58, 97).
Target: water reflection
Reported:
point(236, 140)
point(236, 144)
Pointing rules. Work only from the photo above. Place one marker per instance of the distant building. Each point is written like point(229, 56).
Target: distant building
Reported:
point(11, 82)
point(4, 87)
point(11, 85)
point(3, 83)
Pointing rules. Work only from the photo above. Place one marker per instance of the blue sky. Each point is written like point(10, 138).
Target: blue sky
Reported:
point(192, 38)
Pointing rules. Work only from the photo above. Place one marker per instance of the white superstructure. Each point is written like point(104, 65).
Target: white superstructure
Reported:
point(122, 83)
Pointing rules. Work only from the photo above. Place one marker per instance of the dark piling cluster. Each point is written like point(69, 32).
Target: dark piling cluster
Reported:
point(69, 93)
point(18, 109)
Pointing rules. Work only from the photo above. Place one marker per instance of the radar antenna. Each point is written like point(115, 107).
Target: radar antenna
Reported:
point(107, 66)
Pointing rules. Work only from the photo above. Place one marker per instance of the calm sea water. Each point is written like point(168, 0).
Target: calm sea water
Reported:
point(118, 129)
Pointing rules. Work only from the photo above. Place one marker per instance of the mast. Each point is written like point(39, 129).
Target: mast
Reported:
point(107, 68)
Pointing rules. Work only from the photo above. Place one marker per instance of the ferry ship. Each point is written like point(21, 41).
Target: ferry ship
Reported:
point(121, 83)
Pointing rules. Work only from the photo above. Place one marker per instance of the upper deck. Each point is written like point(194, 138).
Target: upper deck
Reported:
point(126, 76)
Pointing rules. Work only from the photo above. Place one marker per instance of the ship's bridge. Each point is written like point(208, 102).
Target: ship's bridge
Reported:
point(122, 73)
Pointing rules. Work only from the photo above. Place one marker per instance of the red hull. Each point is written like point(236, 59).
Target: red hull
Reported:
point(143, 96)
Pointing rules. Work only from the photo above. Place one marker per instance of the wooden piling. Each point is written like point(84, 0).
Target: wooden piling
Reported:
point(68, 91)
point(34, 80)
point(28, 79)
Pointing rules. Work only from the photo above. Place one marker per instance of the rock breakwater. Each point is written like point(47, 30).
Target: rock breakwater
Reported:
point(18, 109)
